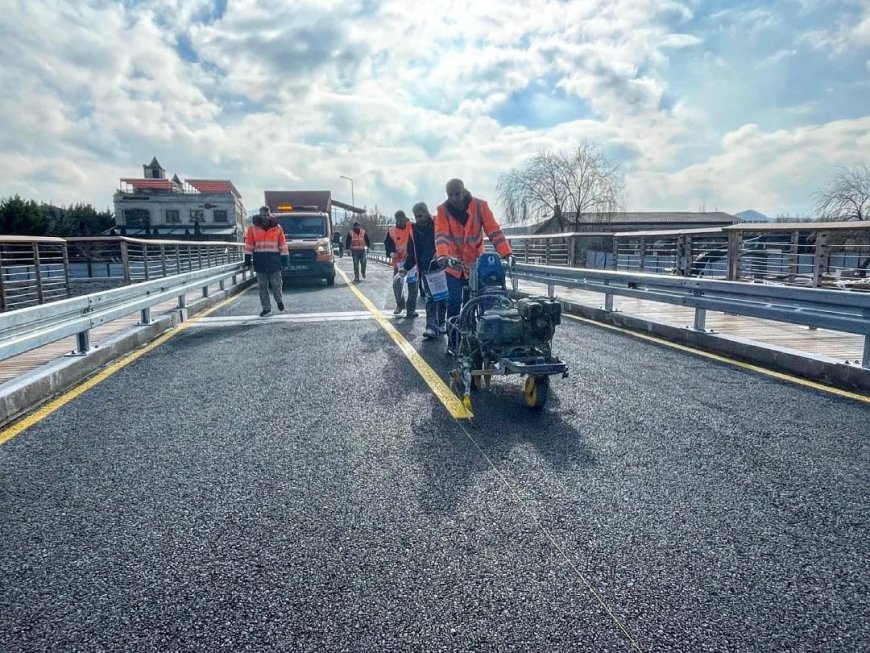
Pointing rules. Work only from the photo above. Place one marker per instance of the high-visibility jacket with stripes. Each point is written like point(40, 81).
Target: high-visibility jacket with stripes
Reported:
point(267, 246)
point(358, 240)
point(465, 242)
point(401, 238)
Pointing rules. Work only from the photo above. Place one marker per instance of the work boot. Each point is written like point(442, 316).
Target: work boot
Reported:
point(265, 312)
point(401, 307)
point(280, 306)
point(411, 315)
point(429, 333)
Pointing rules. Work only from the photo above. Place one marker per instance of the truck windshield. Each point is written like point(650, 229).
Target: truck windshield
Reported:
point(303, 226)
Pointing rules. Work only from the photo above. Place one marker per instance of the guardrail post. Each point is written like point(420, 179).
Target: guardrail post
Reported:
point(641, 254)
point(145, 316)
point(205, 291)
point(145, 261)
point(222, 284)
point(551, 289)
point(820, 260)
point(163, 258)
point(571, 244)
point(182, 301)
point(547, 253)
point(700, 319)
point(125, 262)
point(608, 298)
point(865, 359)
point(83, 341)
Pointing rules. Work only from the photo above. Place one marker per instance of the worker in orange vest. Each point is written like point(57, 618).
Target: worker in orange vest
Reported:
point(399, 238)
point(460, 224)
point(357, 242)
point(266, 249)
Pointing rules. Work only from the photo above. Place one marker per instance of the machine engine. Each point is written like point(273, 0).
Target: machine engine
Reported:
point(531, 322)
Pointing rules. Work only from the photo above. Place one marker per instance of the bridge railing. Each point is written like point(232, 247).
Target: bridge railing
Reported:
point(41, 270)
point(814, 254)
point(836, 310)
point(33, 270)
point(34, 326)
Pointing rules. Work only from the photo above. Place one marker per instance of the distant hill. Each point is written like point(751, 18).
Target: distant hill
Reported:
point(752, 216)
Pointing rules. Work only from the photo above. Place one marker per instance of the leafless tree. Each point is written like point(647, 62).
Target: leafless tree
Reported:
point(847, 197)
point(566, 185)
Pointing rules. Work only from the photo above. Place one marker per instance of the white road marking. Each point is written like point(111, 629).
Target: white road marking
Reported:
point(292, 318)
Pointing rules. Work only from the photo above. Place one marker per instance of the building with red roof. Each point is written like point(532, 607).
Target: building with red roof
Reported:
point(190, 209)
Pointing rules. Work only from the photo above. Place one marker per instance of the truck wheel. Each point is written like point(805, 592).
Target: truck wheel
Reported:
point(536, 391)
point(330, 280)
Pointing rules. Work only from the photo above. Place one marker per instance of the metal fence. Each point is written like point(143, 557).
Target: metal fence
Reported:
point(816, 254)
point(830, 309)
point(40, 270)
point(32, 271)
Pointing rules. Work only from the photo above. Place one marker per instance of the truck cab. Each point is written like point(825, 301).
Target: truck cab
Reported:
point(309, 241)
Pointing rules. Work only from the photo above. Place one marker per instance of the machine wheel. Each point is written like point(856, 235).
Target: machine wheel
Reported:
point(536, 391)
point(330, 280)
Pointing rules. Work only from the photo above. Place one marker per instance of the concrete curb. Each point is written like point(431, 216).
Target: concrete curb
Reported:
point(815, 368)
point(28, 391)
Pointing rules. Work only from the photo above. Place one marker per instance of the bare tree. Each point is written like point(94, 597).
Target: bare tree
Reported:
point(563, 185)
point(847, 197)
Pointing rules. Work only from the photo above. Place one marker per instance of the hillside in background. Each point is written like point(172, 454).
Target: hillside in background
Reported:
point(750, 215)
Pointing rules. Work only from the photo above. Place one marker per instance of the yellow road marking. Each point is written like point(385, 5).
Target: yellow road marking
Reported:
point(40, 414)
point(730, 361)
point(451, 401)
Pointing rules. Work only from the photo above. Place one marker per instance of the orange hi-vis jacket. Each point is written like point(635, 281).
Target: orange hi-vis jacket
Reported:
point(465, 242)
point(401, 239)
point(358, 240)
point(267, 246)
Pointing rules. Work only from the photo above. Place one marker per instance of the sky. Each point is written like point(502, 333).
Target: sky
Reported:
point(703, 105)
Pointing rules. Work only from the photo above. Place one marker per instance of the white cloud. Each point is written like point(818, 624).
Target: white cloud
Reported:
point(398, 96)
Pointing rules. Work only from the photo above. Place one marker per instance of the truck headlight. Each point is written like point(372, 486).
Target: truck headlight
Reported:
point(324, 249)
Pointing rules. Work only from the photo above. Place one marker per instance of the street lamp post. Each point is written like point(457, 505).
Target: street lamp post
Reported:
point(352, 198)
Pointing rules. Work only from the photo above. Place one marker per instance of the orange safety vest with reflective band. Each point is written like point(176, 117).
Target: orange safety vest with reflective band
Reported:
point(401, 238)
point(358, 240)
point(465, 242)
point(267, 246)
point(258, 239)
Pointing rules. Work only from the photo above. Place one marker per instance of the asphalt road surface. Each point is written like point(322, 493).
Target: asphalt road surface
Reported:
point(291, 483)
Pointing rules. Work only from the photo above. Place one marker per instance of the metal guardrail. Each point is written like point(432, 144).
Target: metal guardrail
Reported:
point(28, 328)
point(837, 310)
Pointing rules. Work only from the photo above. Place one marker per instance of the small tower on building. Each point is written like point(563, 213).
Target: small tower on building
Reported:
point(153, 170)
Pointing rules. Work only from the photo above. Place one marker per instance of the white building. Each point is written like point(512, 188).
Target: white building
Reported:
point(194, 209)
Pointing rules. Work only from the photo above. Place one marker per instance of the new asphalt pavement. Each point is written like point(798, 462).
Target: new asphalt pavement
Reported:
point(291, 483)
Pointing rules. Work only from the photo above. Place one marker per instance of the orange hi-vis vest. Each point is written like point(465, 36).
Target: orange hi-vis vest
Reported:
point(358, 240)
point(465, 242)
point(401, 238)
point(272, 240)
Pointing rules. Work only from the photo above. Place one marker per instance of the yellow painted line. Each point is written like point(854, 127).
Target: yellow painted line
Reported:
point(40, 414)
point(451, 401)
point(730, 361)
